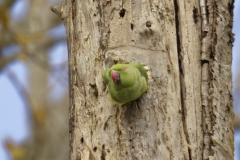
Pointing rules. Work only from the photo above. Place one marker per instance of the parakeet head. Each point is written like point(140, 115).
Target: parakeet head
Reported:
point(126, 82)
point(121, 76)
point(115, 76)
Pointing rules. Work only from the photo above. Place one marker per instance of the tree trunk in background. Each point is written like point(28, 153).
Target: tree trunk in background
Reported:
point(187, 110)
point(49, 128)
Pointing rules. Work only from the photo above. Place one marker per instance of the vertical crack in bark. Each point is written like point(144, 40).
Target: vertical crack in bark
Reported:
point(103, 154)
point(72, 79)
point(181, 74)
point(206, 50)
point(118, 129)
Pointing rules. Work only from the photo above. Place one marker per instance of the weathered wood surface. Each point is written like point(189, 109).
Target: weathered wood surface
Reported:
point(187, 110)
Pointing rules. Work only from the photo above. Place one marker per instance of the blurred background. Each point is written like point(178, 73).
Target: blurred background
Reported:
point(34, 81)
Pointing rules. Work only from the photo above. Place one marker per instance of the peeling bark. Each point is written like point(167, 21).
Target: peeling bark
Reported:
point(216, 58)
point(186, 112)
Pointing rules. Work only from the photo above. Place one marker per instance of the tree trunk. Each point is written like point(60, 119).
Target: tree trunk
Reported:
point(187, 110)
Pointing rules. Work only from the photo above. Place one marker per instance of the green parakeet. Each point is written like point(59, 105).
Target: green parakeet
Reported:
point(126, 82)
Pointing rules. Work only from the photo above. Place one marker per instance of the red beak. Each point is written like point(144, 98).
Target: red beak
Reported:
point(115, 76)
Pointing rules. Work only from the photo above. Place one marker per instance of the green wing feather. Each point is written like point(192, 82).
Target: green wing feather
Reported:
point(141, 69)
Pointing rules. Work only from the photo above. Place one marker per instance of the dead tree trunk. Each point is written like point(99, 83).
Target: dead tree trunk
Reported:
point(187, 110)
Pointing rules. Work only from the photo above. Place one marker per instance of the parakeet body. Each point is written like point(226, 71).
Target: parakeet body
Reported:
point(126, 82)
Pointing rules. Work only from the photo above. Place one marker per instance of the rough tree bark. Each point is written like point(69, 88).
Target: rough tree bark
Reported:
point(187, 110)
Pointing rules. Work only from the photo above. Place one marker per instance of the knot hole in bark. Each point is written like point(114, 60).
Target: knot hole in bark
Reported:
point(148, 24)
point(131, 25)
point(122, 13)
point(82, 140)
